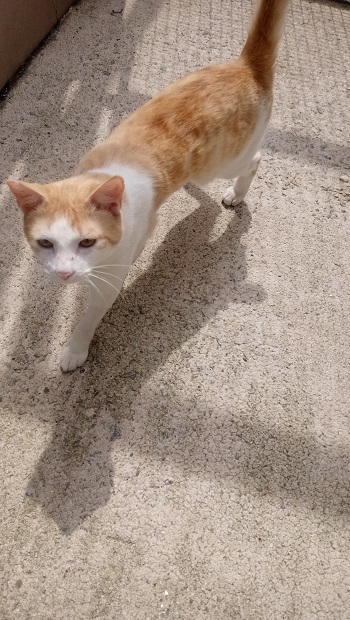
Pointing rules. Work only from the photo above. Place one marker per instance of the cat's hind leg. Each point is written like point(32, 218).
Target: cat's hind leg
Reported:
point(235, 194)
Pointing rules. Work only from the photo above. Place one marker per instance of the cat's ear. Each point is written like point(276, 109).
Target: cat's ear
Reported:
point(109, 196)
point(27, 197)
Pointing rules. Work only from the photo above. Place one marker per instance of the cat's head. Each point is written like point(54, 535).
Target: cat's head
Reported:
point(71, 225)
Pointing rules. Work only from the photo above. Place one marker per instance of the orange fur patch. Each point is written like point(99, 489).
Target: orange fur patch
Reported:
point(189, 131)
point(260, 50)
point(195, 125)
point(69, 198)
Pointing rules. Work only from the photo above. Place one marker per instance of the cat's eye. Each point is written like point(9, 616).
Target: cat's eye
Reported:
point(87, 243)
point(45, 243)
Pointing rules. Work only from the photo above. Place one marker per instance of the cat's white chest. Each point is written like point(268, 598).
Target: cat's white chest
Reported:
point(137, 211)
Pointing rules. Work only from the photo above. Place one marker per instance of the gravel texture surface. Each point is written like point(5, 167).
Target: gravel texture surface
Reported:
point(198, 466)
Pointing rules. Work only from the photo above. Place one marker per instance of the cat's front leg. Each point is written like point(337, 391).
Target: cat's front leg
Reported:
point(102, 295)
point(77, 349)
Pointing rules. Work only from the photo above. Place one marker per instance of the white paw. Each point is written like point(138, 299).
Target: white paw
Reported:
point(231, 199)
point(71, 360)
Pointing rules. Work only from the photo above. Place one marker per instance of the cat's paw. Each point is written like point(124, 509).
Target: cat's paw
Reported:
point(231, 199)
point(70, 360)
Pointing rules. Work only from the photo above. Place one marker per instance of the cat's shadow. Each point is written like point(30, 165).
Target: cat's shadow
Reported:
point(189, 281)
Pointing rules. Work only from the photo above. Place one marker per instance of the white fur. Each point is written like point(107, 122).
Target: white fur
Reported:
point(65, 255)
point(140, 193)
point(106, 273)
point(235, 194)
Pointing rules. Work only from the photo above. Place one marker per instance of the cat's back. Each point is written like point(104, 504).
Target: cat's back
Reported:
point(206, 100)
point(190, 127)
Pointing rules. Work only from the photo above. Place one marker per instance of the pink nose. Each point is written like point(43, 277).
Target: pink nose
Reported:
point(64, 274)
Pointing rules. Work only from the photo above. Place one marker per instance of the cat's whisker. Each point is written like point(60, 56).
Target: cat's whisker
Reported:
point(106, 281)
point(113, 275)
point(119, 291)
point(98, 266)
point(93, 275)
point(98, 290)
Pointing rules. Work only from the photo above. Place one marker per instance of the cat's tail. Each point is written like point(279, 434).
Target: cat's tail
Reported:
point(260, 50)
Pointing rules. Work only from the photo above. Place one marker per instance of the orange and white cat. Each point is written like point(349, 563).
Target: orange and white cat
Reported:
point(91, 227)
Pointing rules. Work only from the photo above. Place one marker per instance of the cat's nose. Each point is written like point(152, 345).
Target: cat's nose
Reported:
point(65, 274)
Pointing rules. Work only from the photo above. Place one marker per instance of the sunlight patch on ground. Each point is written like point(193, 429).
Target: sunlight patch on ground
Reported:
point(70, 95)
point(104, 125)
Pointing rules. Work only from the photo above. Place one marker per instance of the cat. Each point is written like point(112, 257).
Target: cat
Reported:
point(92, 227)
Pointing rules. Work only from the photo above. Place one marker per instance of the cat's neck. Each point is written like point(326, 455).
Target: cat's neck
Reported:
point(138, 210)
point(138, 183)
point(114, 158)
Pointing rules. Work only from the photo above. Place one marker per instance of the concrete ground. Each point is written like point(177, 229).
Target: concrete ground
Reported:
point(198, 466)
